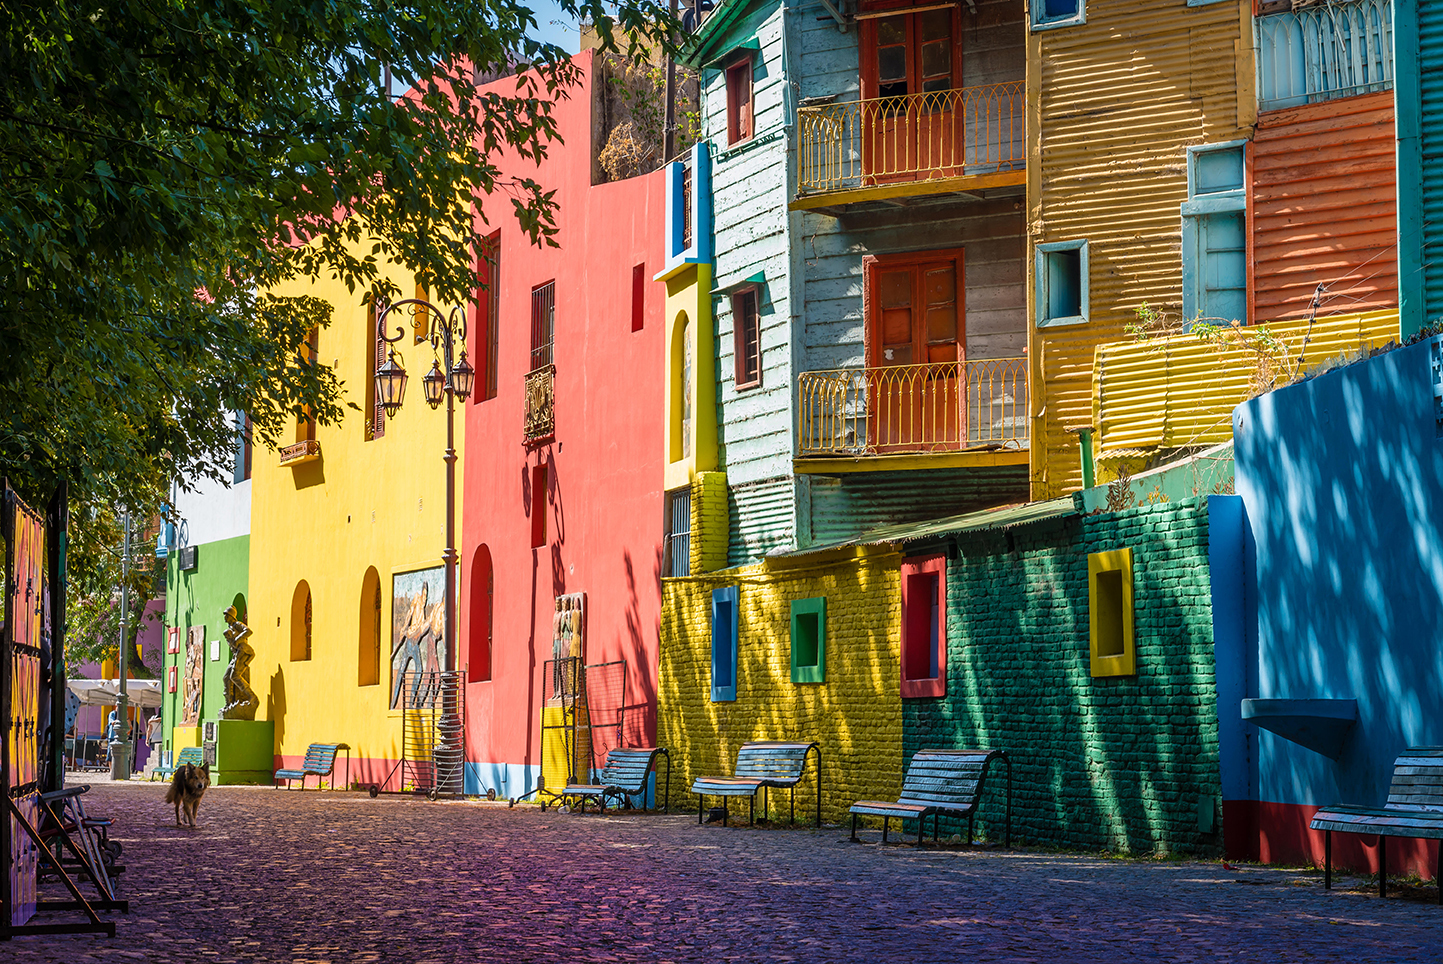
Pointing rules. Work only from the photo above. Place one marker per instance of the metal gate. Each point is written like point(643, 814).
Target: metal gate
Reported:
point(433, 735)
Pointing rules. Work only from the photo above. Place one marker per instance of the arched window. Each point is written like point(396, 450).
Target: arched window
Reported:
point(368, 645)
point(483, 598)
point(679, 427)
point(301, 622)
point(239, 602)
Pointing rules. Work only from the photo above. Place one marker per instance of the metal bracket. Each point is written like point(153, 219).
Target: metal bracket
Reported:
point(842, 22)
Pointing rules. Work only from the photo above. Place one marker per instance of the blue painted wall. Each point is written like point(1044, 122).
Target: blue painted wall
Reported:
point(1342, 480)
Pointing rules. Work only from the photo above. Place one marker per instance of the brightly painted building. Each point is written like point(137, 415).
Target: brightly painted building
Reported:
point(563, 489)
point(1343, 488)
point(207, 570)
point(1418, 37)
point(343, 518)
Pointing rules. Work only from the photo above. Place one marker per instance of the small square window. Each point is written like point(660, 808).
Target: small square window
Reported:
point(1061, 281)
point(1110, 613)
point(1047, 14)
point(809, 640)
point(739, 100)
point(924, 626)
point(724, 644)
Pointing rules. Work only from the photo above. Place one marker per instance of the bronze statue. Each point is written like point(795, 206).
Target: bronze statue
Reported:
point(240, 700)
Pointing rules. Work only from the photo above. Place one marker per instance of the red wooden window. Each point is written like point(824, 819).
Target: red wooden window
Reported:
point(638, 297)
point(746, 327)
point(924, 626)
point(376, 348)
point(916, 313)
point(538, 506)
point(739, 100)
point(911, 53)
point(543, 324)
point(488, 316)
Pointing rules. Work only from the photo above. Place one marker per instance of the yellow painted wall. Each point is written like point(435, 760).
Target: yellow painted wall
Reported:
point(688, 292)
point(856, 715)
point(183, 736)
point(1113, 106)
point(365, 503)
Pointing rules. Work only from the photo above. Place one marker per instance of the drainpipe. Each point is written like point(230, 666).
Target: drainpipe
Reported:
point(1084, 439)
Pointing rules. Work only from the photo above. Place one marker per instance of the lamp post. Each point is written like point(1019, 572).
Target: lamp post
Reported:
point(452, 378)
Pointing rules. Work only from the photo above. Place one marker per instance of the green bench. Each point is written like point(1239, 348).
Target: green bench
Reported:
point(1414, 809)
point(192, 755)
point(938, 782)
point(320, 761)
point(761, 765)
point(623, 776)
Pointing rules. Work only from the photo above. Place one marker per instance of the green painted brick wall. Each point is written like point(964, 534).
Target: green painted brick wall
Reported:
point(1126, 764)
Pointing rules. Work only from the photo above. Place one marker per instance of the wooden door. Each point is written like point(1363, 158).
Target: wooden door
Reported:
point(912, 122)
point(915, 339)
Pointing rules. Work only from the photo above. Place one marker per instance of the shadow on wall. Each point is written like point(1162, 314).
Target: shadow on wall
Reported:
point(276, 706)
point(1127, 763)
point(1342, 478)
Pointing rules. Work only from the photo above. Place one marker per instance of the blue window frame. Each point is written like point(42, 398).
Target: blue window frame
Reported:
point(1047, 14)
point(724, 644)
point(1214, 234)
point(1061, 281)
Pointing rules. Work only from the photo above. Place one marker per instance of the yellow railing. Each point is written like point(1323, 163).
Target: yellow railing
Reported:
point(1180, 391)
point(900, 409)
point(945, 133)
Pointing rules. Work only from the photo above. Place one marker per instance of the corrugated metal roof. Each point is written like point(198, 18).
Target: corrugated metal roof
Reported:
point(1002, 517)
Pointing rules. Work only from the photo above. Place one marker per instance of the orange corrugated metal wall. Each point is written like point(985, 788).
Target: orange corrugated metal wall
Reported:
point(1324, 207)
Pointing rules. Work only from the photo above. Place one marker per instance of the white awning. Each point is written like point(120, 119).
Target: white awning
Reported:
point(106, 692)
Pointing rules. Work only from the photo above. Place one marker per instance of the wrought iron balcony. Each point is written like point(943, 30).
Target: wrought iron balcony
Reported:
point(541, 403)
point(945, 134)
point(913, 409)
point(1323, 52)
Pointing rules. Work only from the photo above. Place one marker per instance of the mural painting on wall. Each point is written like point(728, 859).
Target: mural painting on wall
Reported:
point(418, 636)
point(194, 670)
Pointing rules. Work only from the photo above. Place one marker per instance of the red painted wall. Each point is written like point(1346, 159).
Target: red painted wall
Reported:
point(604, 466)
point(1278, 833)
point(1323, 208)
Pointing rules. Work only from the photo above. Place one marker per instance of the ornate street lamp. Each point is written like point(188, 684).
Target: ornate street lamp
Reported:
point(452, 379)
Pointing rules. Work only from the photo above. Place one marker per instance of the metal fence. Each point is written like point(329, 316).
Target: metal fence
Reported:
point(944, 133)
point(896, 409)
point(1323, 52)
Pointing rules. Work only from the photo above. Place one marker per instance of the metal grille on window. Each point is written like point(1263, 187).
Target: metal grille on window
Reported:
point(543, 322)
point(678, 533)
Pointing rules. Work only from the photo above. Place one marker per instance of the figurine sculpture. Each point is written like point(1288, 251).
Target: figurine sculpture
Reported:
point(240, 700)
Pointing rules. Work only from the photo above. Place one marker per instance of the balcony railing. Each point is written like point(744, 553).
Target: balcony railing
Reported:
point(541, 403)
point(939, 134)
point(1321, 52)
point(912, 409)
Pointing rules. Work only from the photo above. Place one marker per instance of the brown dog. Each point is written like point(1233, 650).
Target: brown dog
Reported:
point(186, 788)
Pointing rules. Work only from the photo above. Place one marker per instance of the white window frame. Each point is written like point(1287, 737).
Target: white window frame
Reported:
point(1035, 16)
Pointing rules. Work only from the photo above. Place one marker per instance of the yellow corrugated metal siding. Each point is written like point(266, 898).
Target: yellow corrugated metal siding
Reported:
point(1181, 391)
point(1120, 98)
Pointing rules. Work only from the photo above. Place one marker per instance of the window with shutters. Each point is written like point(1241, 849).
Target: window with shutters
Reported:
point(488, 302)
point(739, 100)
point(376, 351)
point(911, 53)
point(747, 342)
point(1214, 235)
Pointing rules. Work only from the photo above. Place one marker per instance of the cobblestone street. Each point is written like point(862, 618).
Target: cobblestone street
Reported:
point(278, 876)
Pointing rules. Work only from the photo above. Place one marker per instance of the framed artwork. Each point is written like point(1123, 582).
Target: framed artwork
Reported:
point(418, 636)
point(194, 676)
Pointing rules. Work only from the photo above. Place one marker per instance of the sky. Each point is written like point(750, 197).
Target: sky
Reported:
point(555, 26)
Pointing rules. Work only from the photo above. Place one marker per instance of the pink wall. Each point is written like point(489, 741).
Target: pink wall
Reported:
point(603, 501)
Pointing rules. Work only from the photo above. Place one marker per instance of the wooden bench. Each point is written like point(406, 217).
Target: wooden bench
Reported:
point(938, 782)
point(192, 755)
point(1414, 809)
point(319, 762)
point(761, 765)
point(623, 776)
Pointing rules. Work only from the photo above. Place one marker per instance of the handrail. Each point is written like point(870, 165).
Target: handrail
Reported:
point(934, 134)
point(896, 409)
